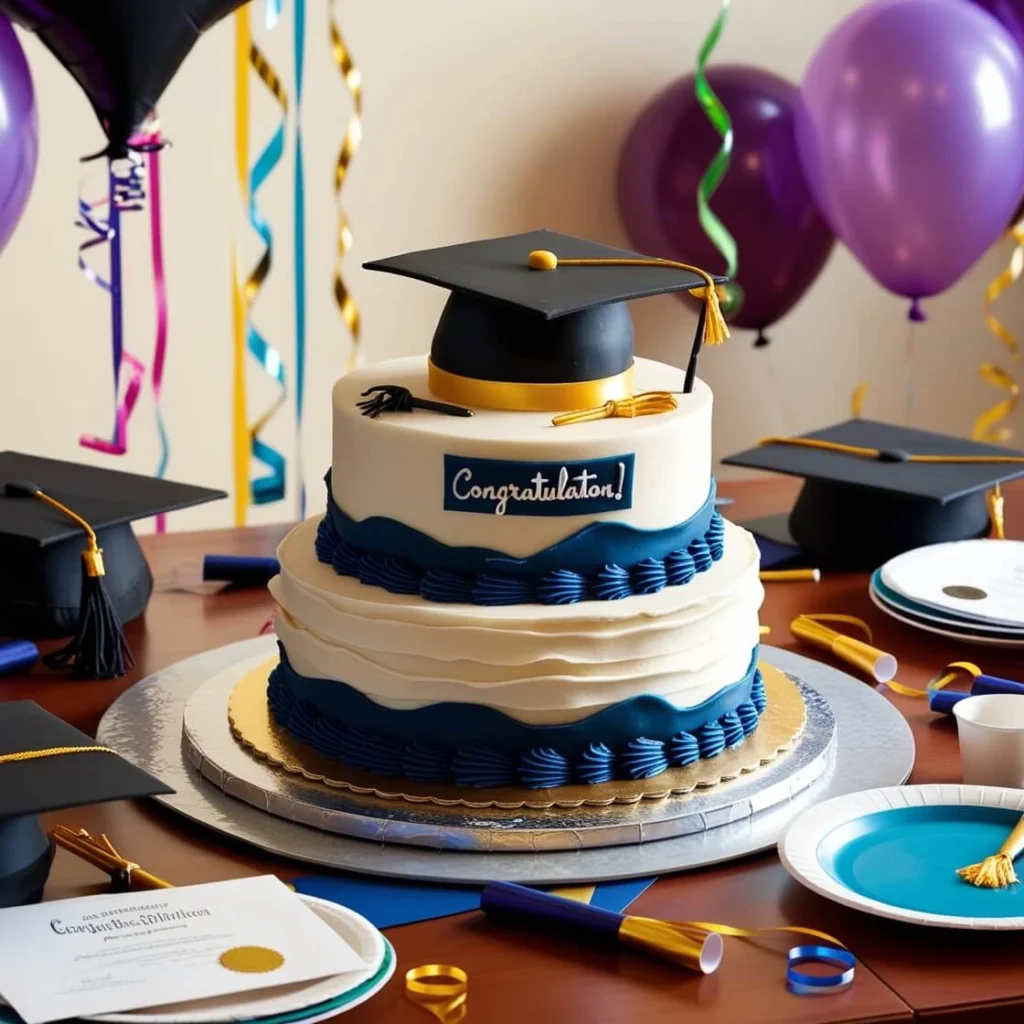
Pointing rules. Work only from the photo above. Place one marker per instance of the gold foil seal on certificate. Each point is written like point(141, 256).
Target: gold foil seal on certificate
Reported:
point(252, 725)
point(251, 959)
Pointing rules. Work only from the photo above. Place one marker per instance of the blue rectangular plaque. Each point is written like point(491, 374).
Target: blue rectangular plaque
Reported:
point(501, 487)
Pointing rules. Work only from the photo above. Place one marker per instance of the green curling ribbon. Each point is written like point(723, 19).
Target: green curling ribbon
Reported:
point(731, 297)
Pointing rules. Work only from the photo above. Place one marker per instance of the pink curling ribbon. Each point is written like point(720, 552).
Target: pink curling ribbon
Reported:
point(126, 194)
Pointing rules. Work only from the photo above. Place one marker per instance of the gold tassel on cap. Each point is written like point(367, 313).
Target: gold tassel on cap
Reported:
point(715, 328)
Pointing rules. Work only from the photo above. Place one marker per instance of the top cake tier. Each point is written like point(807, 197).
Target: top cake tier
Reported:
point(513, 483)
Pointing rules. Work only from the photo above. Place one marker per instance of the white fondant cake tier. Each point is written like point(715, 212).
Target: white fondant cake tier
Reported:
point(392, 466)
point(539, 664)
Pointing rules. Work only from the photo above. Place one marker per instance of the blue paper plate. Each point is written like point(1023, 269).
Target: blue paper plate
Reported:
point(895, 853)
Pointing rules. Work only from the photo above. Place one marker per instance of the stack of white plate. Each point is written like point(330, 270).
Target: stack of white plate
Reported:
point(972, 590)
point(306, 1001)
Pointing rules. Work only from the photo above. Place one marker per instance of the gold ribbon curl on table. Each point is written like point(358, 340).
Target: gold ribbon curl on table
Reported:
point(349, 144)
point(441, 990)
point(811, 629)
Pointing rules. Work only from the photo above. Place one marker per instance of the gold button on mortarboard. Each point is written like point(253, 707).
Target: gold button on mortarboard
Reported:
point(251, 959)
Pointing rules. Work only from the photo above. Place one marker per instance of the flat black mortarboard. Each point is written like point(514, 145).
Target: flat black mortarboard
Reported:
point(894, 489)
point(539, 321)
point(47, 765)
point(42, 549)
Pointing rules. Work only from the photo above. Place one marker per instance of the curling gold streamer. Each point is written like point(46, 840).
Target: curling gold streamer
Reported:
point(985, 428)
point(350, 143)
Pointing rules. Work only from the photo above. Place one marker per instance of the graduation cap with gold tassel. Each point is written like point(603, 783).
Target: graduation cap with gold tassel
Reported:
point(539, 322)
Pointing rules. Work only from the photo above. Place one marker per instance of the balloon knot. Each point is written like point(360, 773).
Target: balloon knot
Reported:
point(762, 340)
point(916, 314)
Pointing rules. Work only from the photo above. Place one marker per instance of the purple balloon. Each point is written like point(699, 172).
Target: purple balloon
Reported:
point(910, 127)
point(1010, 13)
point(763, 200)
point(18, 135)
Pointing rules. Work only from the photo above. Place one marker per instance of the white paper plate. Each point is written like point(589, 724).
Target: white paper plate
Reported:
point(894, 853)
point(362, 936)
point(967, 638)
point(978, 580)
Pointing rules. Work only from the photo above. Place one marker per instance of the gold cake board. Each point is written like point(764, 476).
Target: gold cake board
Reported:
point(253, 727)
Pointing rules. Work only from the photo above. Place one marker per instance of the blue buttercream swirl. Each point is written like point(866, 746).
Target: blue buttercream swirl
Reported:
point(427, 762)
point(400, 577)
point(563, 586)
point(683, 749)
point(345, 558)
point(757, 695)
point(749, 717)
point(648, 576)
point(732, 729)
point(679, 567)
point(643, 758)
point(702, 560)
point(326, 539)
point(544, 768)
point(483, 767)
point(596, 765)
point(447, 587)
point(715, 536)
point(301, 720)
point(372, 751)
point(328, 736)
point(491, 589)
point(371, 567)
point(711, 738)
point(612, 583)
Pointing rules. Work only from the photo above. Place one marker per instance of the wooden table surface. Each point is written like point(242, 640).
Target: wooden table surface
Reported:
point(904, 972)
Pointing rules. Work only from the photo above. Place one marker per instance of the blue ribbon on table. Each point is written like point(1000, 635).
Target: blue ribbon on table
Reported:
point(801, 983)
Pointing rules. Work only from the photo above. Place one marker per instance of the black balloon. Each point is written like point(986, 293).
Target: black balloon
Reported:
point(123, 53)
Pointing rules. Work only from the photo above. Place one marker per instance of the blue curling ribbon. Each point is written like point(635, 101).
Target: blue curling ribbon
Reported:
point(299, 39)
point(271, 487)
point(17, 654)
point(803, 984)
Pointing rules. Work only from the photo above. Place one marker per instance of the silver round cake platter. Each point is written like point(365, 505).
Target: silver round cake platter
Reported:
point(854, 739)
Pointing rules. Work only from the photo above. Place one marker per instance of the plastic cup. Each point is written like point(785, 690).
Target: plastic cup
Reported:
point(991, 731)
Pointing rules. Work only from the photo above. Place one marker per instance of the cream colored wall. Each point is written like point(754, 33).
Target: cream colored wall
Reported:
point(480, 119)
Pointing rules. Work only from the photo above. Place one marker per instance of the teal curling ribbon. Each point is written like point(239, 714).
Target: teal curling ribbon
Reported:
point(716, 113)
point(299, 39)
point(271, 487)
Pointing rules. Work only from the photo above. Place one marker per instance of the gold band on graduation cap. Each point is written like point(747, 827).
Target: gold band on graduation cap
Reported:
point(522, 397)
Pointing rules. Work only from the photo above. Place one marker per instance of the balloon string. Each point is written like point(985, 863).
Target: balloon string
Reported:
point(126, 192)
point(299, 208)
point(908, 370)
point(350, 143)
point(716, 113)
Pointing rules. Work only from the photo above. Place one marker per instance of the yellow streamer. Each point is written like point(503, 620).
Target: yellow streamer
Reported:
point(243, 41)
point(440, 989)
point(985, 428)
point(350, 143)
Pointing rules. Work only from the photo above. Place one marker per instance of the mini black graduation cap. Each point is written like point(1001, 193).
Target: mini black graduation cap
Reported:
point(47, 765)
point(874, 490)
point(539, 321)
point(56, 577)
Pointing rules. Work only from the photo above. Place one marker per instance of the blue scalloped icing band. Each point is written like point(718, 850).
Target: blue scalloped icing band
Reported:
point(633, 739)
point(602, 562)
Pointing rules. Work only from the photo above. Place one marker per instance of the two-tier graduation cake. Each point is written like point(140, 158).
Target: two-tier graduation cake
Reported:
point(521, 578)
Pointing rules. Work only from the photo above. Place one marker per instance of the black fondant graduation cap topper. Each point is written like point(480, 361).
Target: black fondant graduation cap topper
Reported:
point(874, 490)
point(47, 556)
point(515, 335)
